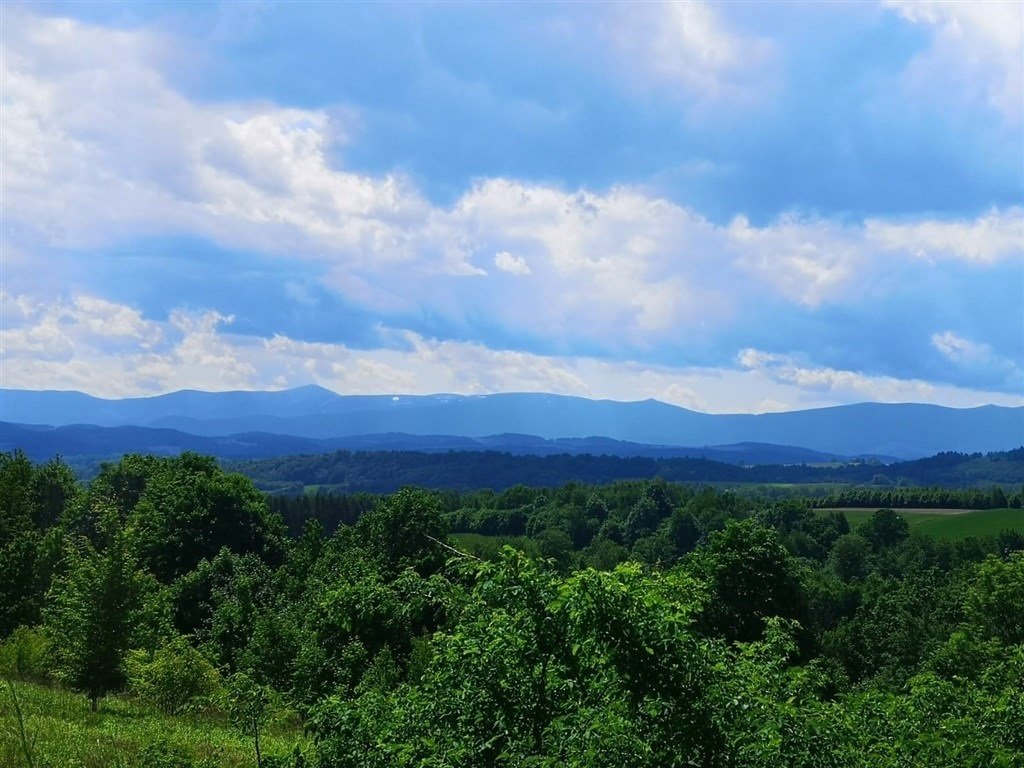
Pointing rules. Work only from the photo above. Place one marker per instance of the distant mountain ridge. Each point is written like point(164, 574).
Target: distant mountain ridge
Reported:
point(42, 442)
point(906, 430)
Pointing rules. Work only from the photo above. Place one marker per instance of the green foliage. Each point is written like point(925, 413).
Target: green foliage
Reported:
point(655, 550)
point(249, 707)
point(93, 609)
point(19, 543)
point(406, 531)
point(995, 598)
point(388, 471)
point(849, 556)
point(555, 545)
point(174, 678)
point(751, 577)
point(683, 531)
point(893, 629)
point(744, 633)
point(27, 655)
point(543, 671)
point(604, 554)
point(884, 528)
point(189, 510)
point(165, 754)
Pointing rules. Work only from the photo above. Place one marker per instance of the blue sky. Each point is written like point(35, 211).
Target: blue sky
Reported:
point(729, 206)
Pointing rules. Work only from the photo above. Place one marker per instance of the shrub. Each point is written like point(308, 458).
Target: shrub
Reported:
point(174, 679)
point(27, 655)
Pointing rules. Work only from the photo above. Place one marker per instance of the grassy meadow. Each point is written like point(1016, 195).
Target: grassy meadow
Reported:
point(950, 523)
point(65, 733)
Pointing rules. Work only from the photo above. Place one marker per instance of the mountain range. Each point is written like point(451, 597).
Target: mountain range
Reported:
point(312, 418)
point(42, 442)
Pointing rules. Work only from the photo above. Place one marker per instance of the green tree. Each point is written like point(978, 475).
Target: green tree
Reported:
point(642, 520)
point(751, 577)
point(683, 531)
point(174, 678)
point(994, 599)
point(406, 530)
point(849, 556)
point(249, 705)
point(591, 670)
point(190, 509)
point(555, 544)
point(19, 543)
point(92, 613)
point(885, 528)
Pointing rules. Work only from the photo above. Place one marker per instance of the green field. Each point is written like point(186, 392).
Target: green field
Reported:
point(122, 733)
point(951, 524)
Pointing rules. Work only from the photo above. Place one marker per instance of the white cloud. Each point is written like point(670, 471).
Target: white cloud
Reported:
point(57, 331)
point(806, 261)
point(977, 49)
point(514, 265)
point(684, 48)
point(98, 149)
point(992, 237)
point(959, 349)
point(977, 356)
point(840, 384)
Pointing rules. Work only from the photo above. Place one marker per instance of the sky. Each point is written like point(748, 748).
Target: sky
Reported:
point(728, 206)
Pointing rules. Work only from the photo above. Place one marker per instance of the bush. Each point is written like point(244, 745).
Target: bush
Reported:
point(174, 678)
point(27, 655)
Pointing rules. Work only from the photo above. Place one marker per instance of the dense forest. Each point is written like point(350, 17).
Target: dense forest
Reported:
point(387, 471)
point(637, 623)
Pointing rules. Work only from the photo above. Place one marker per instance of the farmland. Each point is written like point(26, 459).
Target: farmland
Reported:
point(949, 523)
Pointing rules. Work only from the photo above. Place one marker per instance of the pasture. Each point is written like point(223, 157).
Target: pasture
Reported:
point(949, 523)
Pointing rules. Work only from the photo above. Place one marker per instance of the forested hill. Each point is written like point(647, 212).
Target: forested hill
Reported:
point(42, 442)
point(386, 471)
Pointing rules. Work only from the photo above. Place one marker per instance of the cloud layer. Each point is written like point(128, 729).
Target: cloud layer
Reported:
point(108, 349)
point(513, 283)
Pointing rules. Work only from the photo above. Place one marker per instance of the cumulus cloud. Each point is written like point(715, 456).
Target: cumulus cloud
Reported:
point(99, 148)
point(514, 265)
point(807, 261)
point(977, 48)
point(31, 328)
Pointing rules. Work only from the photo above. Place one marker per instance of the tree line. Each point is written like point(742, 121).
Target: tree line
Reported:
point(388, 471)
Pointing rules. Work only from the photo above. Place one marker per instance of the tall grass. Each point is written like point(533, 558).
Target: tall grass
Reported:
point(44, 727)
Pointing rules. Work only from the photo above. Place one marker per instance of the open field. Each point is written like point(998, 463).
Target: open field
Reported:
point(907, 511)
point(950, 523)
point(121, 733)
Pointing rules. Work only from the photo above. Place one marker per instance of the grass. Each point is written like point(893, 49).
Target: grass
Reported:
point(122, 734)
point(951, 524)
